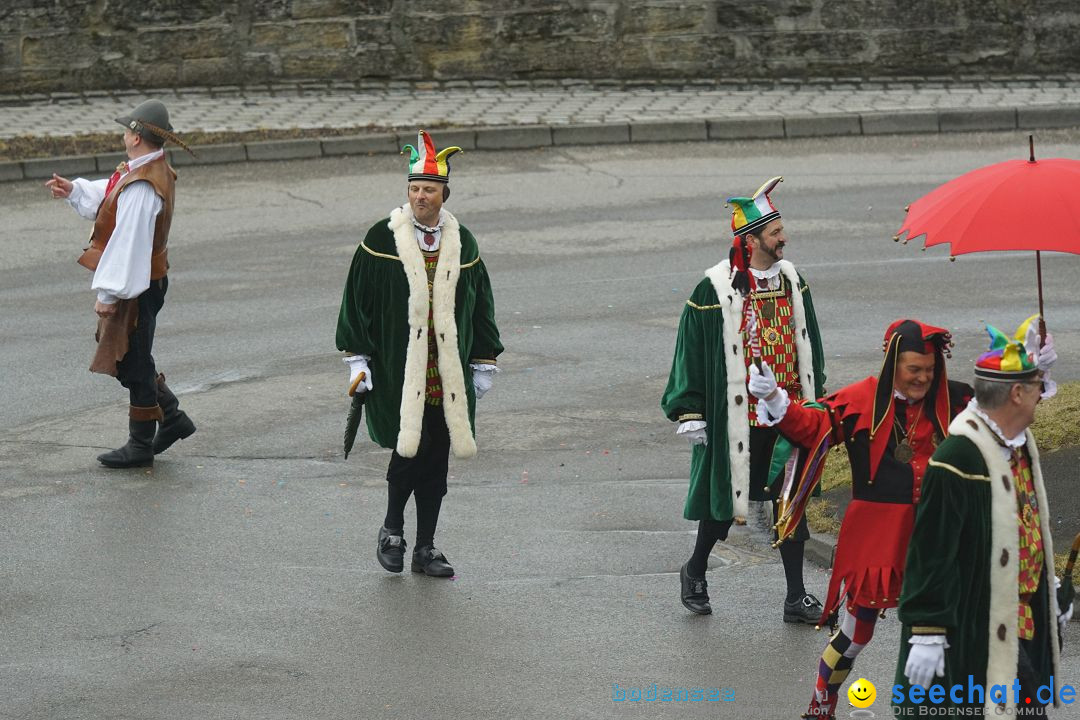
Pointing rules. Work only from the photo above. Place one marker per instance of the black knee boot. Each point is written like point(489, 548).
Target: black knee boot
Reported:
point(139, 450)
point(176, 425)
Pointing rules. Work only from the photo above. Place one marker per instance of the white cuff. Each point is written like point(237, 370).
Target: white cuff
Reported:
point(690, 426)
point(105, 298)
point(770, 412)
point(355, 358)
point(928, 640)
point(483, 367)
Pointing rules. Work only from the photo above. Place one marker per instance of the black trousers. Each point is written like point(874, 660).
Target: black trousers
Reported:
point(136, 370)
point(425, 474)
point(1029, 683)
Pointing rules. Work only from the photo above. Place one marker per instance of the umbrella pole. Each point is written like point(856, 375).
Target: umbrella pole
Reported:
point(1038, 258)
point(1042, 322)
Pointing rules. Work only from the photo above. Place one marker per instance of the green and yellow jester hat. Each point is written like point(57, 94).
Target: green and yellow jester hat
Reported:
point(753, 213)
point(749, 214)
point(425, 163)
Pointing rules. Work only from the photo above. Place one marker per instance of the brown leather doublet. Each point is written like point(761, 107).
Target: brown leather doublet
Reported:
point(163, 179)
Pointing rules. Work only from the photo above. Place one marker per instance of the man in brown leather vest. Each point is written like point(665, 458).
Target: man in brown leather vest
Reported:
point(132, 213)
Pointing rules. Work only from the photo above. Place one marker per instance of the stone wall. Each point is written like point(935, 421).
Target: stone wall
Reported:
point(53, 45)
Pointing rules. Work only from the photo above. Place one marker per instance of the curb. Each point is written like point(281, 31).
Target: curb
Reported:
point(538, 136)
point(820, 549)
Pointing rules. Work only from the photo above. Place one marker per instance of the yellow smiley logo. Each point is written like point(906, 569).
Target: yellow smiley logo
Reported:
point(862, 693)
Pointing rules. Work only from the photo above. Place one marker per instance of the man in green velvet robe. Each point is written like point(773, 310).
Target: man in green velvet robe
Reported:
point(978, 604)
point(418, 323)
point(756, 304)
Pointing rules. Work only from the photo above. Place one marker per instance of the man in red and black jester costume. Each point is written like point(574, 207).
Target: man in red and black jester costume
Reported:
point(890, 426)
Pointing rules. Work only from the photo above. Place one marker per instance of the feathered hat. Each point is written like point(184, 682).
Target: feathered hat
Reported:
point(425, 163)
point(150, 121)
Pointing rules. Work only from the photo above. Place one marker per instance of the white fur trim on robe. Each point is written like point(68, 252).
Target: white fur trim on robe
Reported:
point(1005, 542)
point(444, 295)
point(738, 423)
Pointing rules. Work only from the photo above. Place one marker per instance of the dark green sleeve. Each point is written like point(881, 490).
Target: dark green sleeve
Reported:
point(486, 346)
point(684, 398)
point(354, 318)
point(815, 341)
point(932, 599)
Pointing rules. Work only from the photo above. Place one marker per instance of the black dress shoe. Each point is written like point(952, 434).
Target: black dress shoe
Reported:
point(390, 551)
point(695, 593)
point(806, 609)
point(430, 561)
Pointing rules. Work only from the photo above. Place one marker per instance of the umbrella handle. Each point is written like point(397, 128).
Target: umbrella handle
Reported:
point(1072, 556)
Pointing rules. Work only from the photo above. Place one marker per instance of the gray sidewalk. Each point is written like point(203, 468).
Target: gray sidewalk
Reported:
point(510, 114)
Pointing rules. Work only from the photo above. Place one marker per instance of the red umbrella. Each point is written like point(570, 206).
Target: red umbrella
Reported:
point(1031, 205)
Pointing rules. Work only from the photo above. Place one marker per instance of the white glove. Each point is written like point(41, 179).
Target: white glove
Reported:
point(358, 364)
point(694, 431)
point(482, 378)
point(1047, 354)
point(1047, 357)
point(1064, 614)
point(773, 401)
point(762, 383)
point(926, 659)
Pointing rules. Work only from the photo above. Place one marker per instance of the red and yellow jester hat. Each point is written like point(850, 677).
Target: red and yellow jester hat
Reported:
point(425, 163)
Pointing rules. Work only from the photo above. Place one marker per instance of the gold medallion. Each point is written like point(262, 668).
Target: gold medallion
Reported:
point(771, 336)
point(768, 309)
point(903, 451)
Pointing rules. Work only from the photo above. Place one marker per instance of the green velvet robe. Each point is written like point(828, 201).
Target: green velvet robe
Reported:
point(384, 315)
point(708, 382)
point(962, 574)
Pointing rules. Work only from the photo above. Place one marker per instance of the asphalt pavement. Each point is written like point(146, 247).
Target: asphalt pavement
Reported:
point(237, 579)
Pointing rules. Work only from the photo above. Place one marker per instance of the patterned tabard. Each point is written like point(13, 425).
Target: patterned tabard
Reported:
point(777, 339)
point(433, 390)
point(1031, 542)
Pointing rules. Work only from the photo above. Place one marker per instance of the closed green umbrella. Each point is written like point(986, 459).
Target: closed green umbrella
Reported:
point(1066, 592)
point(352, 423)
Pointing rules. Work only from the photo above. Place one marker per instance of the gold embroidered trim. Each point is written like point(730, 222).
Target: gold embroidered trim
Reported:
point(956, 471)
point(378, 254)
point(482, 361)
point(766, 294)
point(927, 630)
point(691, 416)
point(703, 307)
point(395, 257)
